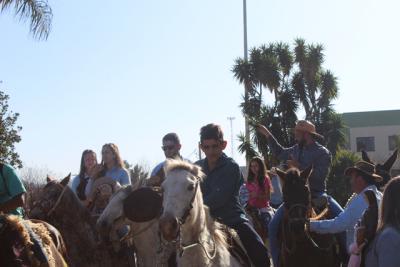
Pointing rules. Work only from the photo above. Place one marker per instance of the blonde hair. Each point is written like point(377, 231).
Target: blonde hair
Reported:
point(117, 157)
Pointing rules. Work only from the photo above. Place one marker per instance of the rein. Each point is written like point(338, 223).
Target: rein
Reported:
point(57, 202)
point(181, 247)
point(306, 232)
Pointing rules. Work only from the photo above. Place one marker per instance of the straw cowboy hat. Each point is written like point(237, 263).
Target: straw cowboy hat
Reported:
point(307, 126)
point(365, 168)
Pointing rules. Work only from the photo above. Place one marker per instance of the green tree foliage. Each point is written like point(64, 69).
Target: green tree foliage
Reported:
point(338, 184)
point(297, 81)
point(9, 133)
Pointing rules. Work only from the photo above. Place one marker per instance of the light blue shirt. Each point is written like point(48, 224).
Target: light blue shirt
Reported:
point(348, 218)
point(161, 165)
point(119, 175)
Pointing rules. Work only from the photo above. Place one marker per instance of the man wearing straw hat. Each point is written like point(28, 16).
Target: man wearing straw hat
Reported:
point(363, 178)
point(306, 152)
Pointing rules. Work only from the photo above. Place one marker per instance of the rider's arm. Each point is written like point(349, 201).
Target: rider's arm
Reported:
point(223, 192)
point(347, 219)
point(12, 204)
point(282, 153)
point(321, 166)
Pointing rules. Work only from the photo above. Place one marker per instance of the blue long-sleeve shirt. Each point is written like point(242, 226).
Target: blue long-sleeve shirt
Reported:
point(348, 218)
point(221, 190)
point(314, 154)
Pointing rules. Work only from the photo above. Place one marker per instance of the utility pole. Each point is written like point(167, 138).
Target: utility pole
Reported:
point(232, 145)
point(246, 91)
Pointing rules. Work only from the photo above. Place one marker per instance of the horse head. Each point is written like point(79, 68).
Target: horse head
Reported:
point(382, 169)
point(296, 197)
point(51, 198)
point(180, 188)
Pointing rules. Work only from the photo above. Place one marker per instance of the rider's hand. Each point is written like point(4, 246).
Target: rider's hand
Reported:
point(263, 130)
point(292, 163)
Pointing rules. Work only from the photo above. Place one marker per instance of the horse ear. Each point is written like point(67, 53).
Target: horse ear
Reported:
point(48, 178)
point(390, 161)
point(281, 174)
point(305, 174)
point(365, 157)
point(65, 181)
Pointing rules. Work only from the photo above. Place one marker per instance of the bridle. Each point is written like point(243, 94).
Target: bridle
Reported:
point(307, 234)
point(50, 211)
point(181, 221)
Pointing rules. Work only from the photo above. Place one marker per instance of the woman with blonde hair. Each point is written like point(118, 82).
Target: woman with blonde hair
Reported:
point(112, 161)
point(384, 250)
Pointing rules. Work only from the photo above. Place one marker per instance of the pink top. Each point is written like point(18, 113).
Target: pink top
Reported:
point(253, 187)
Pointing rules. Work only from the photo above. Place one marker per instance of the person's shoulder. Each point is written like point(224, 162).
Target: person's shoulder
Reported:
point(322, 149)
point(390, 233)
point(200, 162)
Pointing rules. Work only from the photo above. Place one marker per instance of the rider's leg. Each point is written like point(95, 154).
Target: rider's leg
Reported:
point(273, 229)
point(253, 244)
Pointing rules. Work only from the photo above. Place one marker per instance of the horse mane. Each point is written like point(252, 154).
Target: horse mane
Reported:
point(17, 224)
point(173, 165)
point(216, 229)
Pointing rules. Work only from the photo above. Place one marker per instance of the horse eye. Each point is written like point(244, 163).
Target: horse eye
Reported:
point(190, 187)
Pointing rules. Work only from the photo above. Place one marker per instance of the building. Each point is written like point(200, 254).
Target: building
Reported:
point(376, 132)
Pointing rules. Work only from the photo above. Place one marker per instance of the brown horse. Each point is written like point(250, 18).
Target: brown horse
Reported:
point(28, 243)
point(299, 246)
point(59, 206)
point(382, 169)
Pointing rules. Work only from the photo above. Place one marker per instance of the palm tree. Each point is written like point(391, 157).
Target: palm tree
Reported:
point(38, 12)
point(296, 79)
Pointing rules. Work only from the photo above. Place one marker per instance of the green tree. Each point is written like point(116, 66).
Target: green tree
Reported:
point(9, 133)
point(296, 80)
point(338, 184)
point(38, 12)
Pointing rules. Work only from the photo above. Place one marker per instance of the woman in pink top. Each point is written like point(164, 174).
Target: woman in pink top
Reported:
point(259, 188)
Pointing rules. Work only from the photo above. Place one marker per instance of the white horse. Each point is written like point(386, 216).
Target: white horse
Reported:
point(145, 236)
point(186, 220)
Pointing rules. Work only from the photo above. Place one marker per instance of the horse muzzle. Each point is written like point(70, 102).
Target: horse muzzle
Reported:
point(169, 227)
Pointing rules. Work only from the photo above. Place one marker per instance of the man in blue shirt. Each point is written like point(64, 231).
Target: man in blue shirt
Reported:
point(221, 192)
point(306, 152)
point(12, 191)
point(363, 178)
point(171, 146)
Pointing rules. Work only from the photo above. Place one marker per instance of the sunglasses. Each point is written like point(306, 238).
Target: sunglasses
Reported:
point(207, 147)
point(165, 148)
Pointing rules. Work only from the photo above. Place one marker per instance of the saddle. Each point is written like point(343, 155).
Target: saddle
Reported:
point(236, 247)
point(143, 204)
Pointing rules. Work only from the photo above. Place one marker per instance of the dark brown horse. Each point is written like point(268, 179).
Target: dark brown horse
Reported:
point(27, 243)
point(299, 246)
point(59, 206)
point(382, 169)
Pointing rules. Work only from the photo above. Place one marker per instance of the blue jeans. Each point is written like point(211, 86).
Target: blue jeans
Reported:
point(253, 244)
point(273, 227)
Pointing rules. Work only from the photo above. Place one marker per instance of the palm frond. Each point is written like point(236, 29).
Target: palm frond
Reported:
point(38, 12)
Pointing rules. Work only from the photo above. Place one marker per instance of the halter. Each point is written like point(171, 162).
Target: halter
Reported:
point(181, 247)
point(306, 231)
point(52, 209)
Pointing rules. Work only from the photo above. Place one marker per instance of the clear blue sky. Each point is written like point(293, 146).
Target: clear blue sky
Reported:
point(130, 71)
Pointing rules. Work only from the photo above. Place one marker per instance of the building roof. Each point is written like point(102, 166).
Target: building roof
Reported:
point(371, 118)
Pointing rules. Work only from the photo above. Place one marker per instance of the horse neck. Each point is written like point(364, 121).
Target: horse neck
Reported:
point(196, 224)
point(74, 218)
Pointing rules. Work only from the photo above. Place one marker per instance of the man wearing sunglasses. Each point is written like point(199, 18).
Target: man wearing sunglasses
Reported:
point(171, 146)
point(221, 192)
